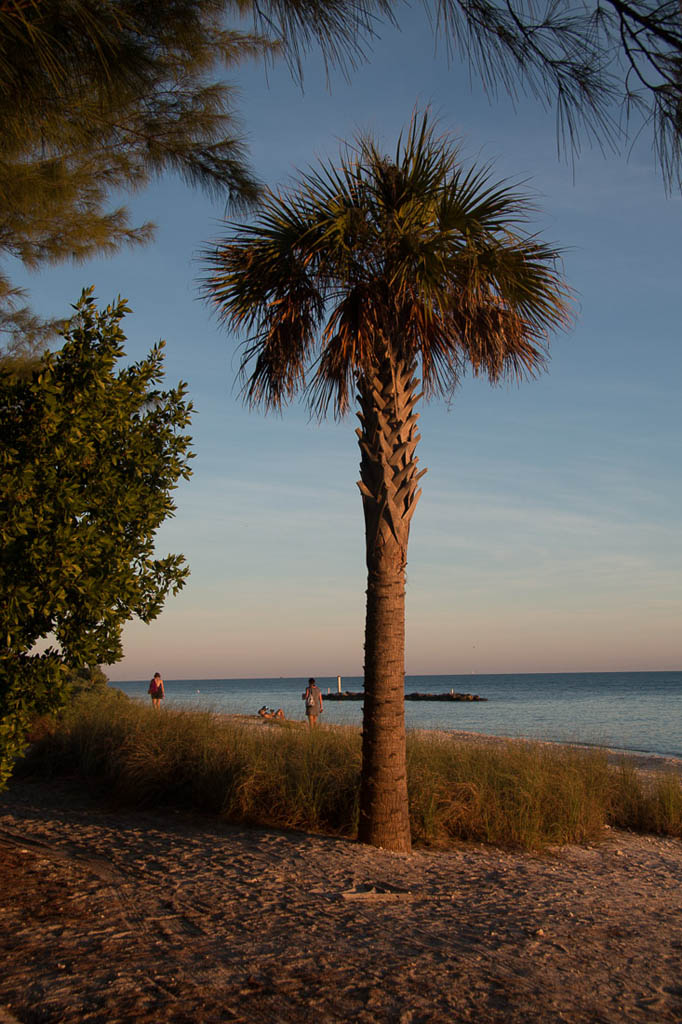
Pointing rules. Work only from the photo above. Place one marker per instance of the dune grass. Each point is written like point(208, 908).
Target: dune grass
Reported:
point(281, 774)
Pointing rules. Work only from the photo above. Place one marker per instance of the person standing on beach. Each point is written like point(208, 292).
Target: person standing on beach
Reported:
point(313, 702)
point(156, 690)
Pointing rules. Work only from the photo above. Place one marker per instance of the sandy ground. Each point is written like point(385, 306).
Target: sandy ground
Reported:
point(110, 916)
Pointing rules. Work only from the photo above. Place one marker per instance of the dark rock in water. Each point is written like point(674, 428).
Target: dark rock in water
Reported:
point(451, 696)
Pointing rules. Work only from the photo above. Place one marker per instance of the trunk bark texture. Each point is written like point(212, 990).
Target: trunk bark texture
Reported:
point(388, 470)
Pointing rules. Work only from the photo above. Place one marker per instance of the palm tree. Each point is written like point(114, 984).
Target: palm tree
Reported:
point(384, 280)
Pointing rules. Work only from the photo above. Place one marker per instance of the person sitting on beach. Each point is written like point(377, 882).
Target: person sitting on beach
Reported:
point(156, 690)
point(266, 712)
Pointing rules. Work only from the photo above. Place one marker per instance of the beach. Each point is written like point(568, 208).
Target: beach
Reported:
point(110, 915)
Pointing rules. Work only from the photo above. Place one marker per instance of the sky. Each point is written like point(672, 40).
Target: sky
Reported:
point(547, 538)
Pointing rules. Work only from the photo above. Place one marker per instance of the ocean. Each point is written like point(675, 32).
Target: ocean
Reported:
point(635, 711)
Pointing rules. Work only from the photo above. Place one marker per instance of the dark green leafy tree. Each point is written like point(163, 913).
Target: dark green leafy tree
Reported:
point(366, 286)
point(90, 456)
point(86, 679)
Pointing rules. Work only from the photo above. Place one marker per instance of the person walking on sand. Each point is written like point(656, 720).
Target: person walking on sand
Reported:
point(156, 690)
point(313, 702)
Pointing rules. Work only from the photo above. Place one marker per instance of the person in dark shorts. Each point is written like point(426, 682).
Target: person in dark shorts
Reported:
point(156, 690)
point(313, 702)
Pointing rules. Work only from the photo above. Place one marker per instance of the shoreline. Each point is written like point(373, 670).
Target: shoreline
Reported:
point(643, 760)
point(634, 713)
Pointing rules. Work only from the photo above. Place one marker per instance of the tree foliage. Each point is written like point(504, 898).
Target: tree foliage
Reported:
point(412, 247)
point(90, 456)
point(372, 283)
point(86, 679)
point(99, 96)
point(608, 67)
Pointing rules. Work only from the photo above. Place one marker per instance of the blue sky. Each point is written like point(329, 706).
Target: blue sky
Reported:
point(548, 534)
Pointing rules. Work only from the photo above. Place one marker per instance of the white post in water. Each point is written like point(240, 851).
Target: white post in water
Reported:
point(338, 683)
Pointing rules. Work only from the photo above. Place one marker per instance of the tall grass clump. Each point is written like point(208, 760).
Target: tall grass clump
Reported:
point(274, 774)
point(283, 775)
point(646, 803)
point(516, 793)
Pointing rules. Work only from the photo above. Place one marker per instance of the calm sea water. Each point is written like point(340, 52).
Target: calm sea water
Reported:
point(639, 711)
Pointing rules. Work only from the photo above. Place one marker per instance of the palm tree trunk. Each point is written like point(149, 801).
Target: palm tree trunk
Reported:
point(388, 438)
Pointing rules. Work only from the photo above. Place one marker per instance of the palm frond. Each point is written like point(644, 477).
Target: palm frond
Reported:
point(412, 255)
